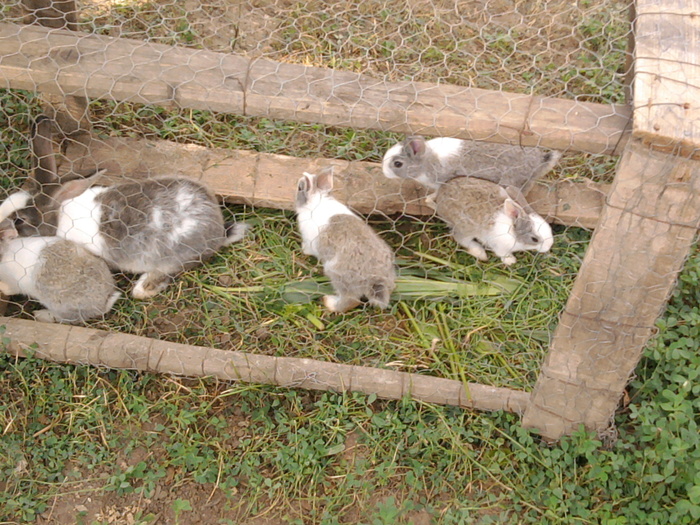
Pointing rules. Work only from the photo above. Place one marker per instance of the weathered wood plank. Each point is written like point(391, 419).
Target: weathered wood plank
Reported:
point(641, 242)
point(667, 73)
point(98, 66)
point(270, 180)
point(87, 346)
point(68, 112)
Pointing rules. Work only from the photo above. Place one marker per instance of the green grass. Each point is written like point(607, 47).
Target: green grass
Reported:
point(76, 432)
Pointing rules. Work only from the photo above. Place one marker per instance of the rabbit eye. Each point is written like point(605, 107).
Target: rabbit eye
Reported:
point(534, 239)
point(398, 164)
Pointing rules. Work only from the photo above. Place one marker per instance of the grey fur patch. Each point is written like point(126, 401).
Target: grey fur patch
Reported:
point(358, 262)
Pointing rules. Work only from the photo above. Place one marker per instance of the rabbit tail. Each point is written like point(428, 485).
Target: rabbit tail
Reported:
point(235, 231)
point(379, 294)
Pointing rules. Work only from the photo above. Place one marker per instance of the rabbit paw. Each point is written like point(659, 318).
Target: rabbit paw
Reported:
point(478, 252)
point(338, 304)
point(149, 285)
point(508, 260)
point(430, 200)
point(5, 288)
point(44, 316)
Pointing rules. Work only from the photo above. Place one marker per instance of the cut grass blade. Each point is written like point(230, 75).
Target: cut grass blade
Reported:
point(408, 288)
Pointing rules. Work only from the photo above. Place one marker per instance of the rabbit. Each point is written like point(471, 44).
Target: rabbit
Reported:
point(155, 227)
point(436, 161)
point(484, 215)
point(359, 264)
point(73, 284)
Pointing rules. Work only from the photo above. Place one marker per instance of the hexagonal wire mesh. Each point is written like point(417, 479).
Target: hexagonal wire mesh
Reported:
point(246, 96)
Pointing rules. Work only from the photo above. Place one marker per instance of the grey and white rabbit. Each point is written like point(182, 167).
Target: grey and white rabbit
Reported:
point(155, 227)
point(359, 264)
point(484, 215)
point(438, 160)
point(73, 284)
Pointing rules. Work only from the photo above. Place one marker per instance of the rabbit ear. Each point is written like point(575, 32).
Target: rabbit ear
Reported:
point(76, 187)
point(511, 209)
point(415, 146)
point(324, 181)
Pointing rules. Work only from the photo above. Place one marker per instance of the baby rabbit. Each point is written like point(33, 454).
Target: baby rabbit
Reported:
point(359, 264)
point(155, 227)
point(483, 214)
point(435, 161)
point(73, 284)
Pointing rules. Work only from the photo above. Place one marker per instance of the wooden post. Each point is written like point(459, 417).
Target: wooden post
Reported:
point(643, 238)
point(69, 112)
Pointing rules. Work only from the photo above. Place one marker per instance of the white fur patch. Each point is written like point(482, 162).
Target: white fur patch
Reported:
point(445, 147)
point(157, 218)
point(184, 199)
point(79, 221)
point(501, 239)
point(20, 262)
point(396, 149)
point(315, 215)
point(544, 231)
point(15, 201)
point(182, 229)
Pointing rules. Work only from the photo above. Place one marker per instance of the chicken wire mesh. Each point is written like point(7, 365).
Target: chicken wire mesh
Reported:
point(256, 93)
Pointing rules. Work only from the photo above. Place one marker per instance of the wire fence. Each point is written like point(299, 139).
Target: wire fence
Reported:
point(245, 97)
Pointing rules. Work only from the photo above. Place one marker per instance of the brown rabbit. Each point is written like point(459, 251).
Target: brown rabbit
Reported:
point(359, 264)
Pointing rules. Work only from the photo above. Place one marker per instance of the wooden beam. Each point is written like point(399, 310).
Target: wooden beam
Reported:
point(667, 74)
point(70, 113)
point(98, 66)
point(87, 346)
point(642, 240)
point(269, 180)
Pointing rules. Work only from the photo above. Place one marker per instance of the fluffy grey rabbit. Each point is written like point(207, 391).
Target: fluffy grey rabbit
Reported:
point(73, 284)
point(359, 264)
point(435, 161)
point(484, 215)
point(155, 227)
